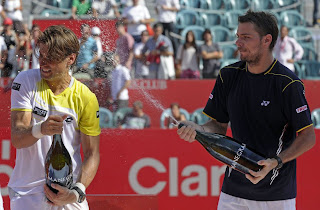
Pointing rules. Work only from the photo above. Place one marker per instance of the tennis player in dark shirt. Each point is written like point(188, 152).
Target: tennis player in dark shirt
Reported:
point(266, 106)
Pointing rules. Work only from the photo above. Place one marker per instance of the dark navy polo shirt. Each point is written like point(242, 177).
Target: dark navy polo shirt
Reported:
point(265, 111)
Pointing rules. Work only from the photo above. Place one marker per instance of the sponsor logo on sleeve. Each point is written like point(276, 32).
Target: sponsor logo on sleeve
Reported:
point(68, 120)
point(40, 112)
point(97, 114)
point(16, 86)
point(301, 109)
point(211, 96)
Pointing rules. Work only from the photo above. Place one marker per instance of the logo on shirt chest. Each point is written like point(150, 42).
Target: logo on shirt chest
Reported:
point(265, 103)
point(40, 112)
point(16, 86)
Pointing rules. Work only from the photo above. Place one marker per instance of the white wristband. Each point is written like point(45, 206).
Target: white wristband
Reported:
point(76, 193)
point(36, 130)
point(81, 186)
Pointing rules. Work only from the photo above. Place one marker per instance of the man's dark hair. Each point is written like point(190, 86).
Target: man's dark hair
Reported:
point(157, 25)
point(264, 23)
point(119, 23)
point(206, 31)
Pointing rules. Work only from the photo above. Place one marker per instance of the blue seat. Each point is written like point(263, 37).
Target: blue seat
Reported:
point(231, 18)
point(220, 34)
point(50, 12)
point(298, 70)
point(190, 3)
point(302, 35)
point(198, 117)
point(309, 53)
point(187, 18)
point(283, 3)
point(211, 19)
point(259, 5)
point(211, 4)
point(119, 115)
point(237, 4)
point(315, 116)
point(310, 69)
point(197, 30)
point(105, 117)
point(228, 51)
point(167, 112)
point(65, 4)
point(292, 18)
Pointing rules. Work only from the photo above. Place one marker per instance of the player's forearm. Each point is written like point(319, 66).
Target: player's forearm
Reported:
point(212, 126)
point(304, 141)
point(21, 137)
point(89, 168)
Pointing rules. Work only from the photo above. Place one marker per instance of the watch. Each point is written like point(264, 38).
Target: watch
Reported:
point(280, 164)
point(82, 195)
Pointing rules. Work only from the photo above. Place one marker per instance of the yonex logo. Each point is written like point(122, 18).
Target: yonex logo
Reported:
point(68, 120)
point(211, 96)
point(40, 112)
point(265, 103)
point(16, 86)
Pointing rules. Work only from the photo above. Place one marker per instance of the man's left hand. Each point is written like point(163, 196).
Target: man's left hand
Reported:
point(63, 197)
point(267, 164)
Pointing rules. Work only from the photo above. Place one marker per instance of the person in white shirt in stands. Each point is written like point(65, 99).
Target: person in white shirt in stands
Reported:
point(167, 11)
point(107, 8)
point(129, 3)
point(136, 17)
point(141, 70)
point(13, 9)
point(287, 50)
point(120, 81)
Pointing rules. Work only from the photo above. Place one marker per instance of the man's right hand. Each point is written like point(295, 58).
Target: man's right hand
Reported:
point(53, 125)
point(188, 131)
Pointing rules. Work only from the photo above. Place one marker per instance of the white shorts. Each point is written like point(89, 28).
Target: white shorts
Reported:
point(228, 202)
point(39, 202)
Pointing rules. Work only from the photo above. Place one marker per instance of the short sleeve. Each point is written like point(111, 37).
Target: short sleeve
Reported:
point(21, 93)
point(179, 52)
point(89, 120)
point(296, 108)
point(216, 107)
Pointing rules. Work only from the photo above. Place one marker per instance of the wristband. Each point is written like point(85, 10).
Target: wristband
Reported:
point(81, 186)
point(76, 193)
point(36, 130)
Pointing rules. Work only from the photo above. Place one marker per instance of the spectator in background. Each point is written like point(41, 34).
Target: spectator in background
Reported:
point(8, 34)
point(13, 9)
point(315, 12)
point(156, 46)
point(35, 33)
point(287, 50)
point(100, 63)
point(129, 3)
point(124, 45)
point(3, 57)
point(167, 11)
point(211, 55)
point(136, 119)
point(81, 7)
point(136, 17)
point(141, 70)
point(120, 81)
point(107, 8)
point(23, 52)
point(2, 12)
point(176, 114)
point(88, 52)
point(187, 58)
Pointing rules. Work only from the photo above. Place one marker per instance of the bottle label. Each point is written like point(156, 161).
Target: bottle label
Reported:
point(237, 157)
point(61, 179)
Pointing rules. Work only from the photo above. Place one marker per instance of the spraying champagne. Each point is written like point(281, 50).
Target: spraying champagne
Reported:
point(229, 151)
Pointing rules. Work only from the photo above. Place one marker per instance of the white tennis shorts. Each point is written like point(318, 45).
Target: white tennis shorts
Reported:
point(39, 202)
point(229, 202)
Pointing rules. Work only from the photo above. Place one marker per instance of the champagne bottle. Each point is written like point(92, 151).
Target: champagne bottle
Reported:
point(229, 151)
point(58, 164)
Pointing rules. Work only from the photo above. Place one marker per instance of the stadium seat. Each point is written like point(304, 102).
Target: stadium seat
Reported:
point(283, 3)
point(119, 115)
point(187, 18)
point(298, 70)
point(190, 3)
point(259, 5)
point(231, 18)
point(302, 35)
point(198, 117)
point(211, 19)
point(309, 53)
point(211, 4)
point(65, 4)
point(220, 34)
point(292, 18)
point(310, 69)
point(167, 112)
point(228, 51)
point(50, 12)
point(237, 4)
point(197, 30)
point(105, 117)
point(227, 62)
point(315, 116)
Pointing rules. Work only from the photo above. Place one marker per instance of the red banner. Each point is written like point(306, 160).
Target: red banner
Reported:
point(154, 169)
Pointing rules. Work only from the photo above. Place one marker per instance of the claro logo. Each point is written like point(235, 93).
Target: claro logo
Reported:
point(191, 176)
